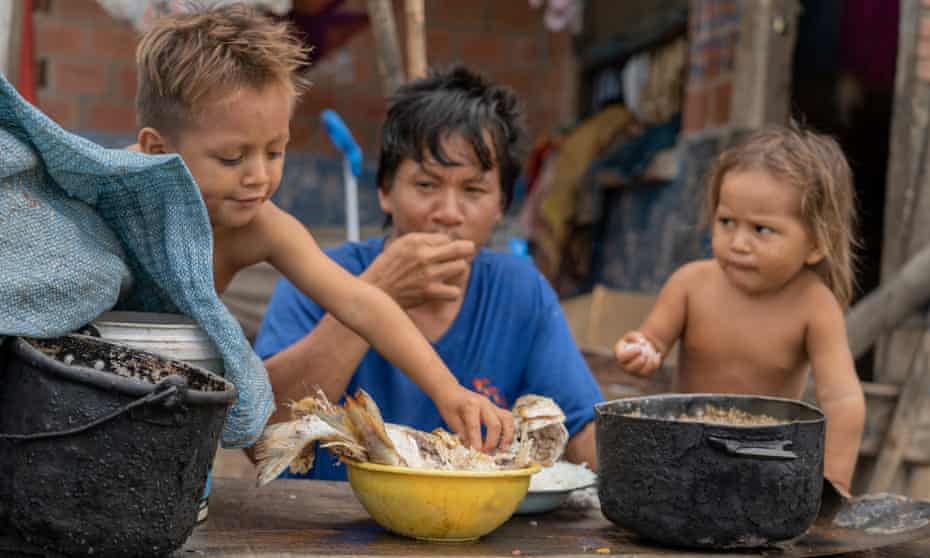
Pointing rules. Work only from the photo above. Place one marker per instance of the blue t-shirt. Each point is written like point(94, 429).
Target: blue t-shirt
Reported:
point(510, 338)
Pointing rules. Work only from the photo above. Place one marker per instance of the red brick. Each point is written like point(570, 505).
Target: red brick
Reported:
point(63, 110)
point(81, 10)
point(125, 82)
point(459, 14)
point(108, 116)
point(516, 15)
point(923, 70)
point(58, 37)
point(72, 77)
point(442, 48)
point(485, 51)
point(695, 111)
point(115, 42)
point(923, 48)
point(527, 50)
point(723, 93)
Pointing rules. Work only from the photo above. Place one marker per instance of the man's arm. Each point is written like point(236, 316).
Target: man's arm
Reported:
point(557, 369)
point(582, 447)
point(372, 314)
point(412, 270)
point(839, 392)
point(326, 357)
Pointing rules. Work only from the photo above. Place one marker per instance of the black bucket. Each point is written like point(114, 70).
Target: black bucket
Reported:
point(104, 449)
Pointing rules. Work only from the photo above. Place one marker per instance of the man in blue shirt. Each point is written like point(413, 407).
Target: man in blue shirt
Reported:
point(450, 153)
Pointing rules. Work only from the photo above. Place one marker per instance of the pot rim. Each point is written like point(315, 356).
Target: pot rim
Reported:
point(128, 386)
point(601, 409)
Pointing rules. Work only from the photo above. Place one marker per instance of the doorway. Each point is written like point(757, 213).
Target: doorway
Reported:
point(843, 85)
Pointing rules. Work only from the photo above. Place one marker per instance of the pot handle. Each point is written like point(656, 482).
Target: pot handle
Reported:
point(170, 389)
point(765, 449)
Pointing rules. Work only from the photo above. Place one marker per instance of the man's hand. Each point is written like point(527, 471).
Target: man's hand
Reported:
point(465, 411)
point(421, 267)
point(637, 355)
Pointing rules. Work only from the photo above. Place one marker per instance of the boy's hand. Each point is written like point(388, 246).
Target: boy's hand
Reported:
point(421, 267)
point(465, 411)
point(636, 355)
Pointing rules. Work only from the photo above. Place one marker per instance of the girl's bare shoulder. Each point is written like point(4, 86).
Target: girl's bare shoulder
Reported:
point(814, 293)
point(696, 273)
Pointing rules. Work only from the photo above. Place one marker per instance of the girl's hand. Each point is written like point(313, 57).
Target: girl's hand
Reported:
point(637, 355)
point(466, 411)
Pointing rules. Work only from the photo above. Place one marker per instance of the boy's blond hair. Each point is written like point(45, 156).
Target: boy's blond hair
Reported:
point(188, 58)
point(815, 164)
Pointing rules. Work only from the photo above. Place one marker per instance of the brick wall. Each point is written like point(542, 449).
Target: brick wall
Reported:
point(87, 84)
point(713, 32)
point(87, 74)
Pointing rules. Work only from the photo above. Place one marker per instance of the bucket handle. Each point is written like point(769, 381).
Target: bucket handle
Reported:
point(171, 388)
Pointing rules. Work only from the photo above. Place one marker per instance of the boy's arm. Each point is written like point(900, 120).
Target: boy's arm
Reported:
point(413, 269)
point(376, 317)
point(839, 392)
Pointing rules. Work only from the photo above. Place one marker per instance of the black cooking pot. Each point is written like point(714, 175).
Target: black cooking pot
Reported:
point(701, 484)
point(104, 450)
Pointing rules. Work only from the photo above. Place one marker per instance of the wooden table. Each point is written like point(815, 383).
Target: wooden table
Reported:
point(312, 518)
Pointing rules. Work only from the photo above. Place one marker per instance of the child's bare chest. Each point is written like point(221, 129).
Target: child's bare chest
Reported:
point(231, 254)
point(750, 347)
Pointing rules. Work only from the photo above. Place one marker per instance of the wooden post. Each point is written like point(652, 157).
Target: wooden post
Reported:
point(907, 196)
point(390, 65)
point(907, 202)
point(913, 396)
point(764, 55)
point(11, 18)
point(416, 42)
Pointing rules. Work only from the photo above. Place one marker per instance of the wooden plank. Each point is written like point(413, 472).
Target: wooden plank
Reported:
point(313, 518)
point(390, 65)
point(891, 304)
point(907, 412)
point(920, 483)
point(416, 40)
point(10, 32)
point(881, 400)
point(764, 58)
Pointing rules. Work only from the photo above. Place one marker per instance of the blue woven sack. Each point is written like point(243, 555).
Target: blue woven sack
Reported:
point(85, 229)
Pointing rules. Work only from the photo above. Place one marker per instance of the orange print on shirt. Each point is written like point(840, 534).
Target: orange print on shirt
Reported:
point(489, 390)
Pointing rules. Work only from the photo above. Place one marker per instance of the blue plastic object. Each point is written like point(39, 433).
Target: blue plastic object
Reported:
point(342, 138)
point(518, 246)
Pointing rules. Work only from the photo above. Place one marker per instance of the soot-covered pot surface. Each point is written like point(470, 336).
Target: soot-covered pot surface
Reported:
point(710, 471)
point(106, 449)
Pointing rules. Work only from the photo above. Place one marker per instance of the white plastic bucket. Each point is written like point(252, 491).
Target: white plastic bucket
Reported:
point(169, 335)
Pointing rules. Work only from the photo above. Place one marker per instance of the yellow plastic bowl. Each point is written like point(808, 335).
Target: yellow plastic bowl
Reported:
point(433, 505)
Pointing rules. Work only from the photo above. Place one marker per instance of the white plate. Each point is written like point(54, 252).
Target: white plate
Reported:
point(545, 500)
point(564, 477)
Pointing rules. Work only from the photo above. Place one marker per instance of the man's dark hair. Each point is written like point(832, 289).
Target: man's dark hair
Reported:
point(456, 101)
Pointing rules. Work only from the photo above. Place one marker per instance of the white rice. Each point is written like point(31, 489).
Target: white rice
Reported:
point(562, 476)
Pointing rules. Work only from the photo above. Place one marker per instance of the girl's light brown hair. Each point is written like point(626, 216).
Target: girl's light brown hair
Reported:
point(191, 57)
point(815, 164)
